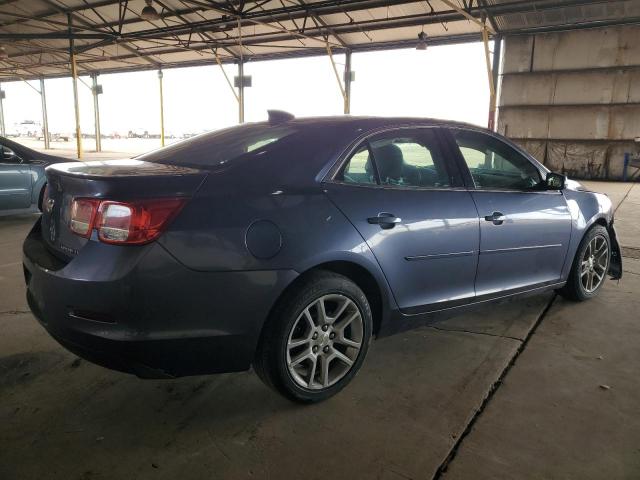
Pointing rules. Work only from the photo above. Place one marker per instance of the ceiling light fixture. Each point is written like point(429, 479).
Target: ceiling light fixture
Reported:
point(422, 41)
point(3, 53)
point(149, 12)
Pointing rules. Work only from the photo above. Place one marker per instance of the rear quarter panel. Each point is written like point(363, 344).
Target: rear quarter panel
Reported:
point(211, 233)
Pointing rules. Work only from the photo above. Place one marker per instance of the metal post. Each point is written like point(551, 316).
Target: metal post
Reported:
point(74, 78)
point(2, 112)
point(495, 71)
point(347, 82)
point(96, 111)
point(240, 74)
point(45, 118)
point(241, 91)
point(160, 75)
point(343, 91)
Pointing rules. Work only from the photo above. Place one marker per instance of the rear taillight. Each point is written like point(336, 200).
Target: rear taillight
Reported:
point(131, 223)
point(83, 214)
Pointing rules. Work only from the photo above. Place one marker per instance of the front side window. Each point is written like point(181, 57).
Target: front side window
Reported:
point(411, 160)
point(494, 164)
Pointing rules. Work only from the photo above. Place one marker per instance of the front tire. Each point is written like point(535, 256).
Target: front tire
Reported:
point(316, 340)
point(590, 266)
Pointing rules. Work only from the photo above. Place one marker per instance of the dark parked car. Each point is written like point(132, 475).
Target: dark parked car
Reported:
point(287, 245)
point(22, 177)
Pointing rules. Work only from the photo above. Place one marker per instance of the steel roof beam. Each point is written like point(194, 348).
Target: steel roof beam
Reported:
point(328, 7)
point(301, 11)
point(318, 31)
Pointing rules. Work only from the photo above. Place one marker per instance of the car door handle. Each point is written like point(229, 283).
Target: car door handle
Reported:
point(385, 220)
point(496, 217)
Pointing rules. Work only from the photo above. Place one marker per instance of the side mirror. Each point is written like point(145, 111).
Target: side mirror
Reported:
point(9, 155)
point(555, 181)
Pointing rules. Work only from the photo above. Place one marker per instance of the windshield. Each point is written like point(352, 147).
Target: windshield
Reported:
point(220, 147)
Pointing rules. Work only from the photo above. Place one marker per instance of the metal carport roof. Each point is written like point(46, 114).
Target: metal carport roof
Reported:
point(111, 36)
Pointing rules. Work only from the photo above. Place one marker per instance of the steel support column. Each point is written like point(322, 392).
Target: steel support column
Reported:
point(347, 82)
point(2, 131)
point(96, 111)
point(160, 75)
point(241, 91)
point(495, 72)
point(74, 78)
point(45, 117)
point(343, 91)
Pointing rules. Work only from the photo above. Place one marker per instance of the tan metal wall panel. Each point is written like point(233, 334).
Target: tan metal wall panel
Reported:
point(527, 89)
point(580, 49)
point(576, 105)
point(521, 123)
point(571, 123)
point(577, 88)
point(517, 54)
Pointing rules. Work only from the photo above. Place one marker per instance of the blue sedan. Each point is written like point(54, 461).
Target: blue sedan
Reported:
point(289, 244)
point(22, 177)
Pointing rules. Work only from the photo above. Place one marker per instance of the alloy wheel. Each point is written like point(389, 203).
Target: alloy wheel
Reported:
point(594, 264)
point(325, 341)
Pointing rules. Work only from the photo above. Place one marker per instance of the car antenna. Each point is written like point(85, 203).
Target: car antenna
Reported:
point(279, 116)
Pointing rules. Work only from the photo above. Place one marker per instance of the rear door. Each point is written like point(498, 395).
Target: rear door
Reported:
point(524, 230)
point(406, 199)
point(15, 181)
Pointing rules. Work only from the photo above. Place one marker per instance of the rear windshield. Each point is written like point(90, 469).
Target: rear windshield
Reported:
point(220, 147)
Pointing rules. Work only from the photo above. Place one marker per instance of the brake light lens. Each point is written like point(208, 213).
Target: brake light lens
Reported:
point(83, 214)
point(125, 223)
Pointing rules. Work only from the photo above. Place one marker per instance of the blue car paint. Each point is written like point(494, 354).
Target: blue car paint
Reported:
point(22, 178)
point(195, 301)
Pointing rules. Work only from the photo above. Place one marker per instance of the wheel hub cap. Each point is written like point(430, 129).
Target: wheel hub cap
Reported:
point(324, 339)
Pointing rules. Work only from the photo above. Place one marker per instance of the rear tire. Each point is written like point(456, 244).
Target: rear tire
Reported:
point(316, 339)
point(590, 266)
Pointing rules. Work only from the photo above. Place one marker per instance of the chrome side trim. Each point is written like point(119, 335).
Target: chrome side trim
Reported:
point(413, 258)
point(515, 249)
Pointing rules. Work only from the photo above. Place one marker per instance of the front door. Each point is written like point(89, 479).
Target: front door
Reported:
point(408, 204)
point(524, 230)
point(15, 181)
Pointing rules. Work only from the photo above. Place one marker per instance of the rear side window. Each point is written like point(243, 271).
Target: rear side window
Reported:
point(410, 161)
point(495, 165)
point(222, 146)
point(359, 168)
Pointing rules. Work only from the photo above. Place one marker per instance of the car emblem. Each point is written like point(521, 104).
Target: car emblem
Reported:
point(48, 206)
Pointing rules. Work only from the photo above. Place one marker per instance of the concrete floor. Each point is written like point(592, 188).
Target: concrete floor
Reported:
point(512, 390)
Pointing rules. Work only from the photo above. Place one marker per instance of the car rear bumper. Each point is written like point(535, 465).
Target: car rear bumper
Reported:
point(138, 310)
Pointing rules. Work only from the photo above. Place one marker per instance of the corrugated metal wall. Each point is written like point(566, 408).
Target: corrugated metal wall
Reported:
point(573, 98)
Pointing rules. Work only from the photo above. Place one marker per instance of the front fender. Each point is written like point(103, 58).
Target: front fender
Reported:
point(587, 209)
point(615, 265)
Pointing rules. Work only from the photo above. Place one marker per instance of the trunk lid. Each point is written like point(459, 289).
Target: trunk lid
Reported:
point(120, 180)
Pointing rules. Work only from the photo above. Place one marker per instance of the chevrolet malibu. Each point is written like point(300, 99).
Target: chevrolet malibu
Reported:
point(289, 244)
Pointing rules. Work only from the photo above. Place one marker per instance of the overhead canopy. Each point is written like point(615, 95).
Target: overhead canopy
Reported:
point(111, 36)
